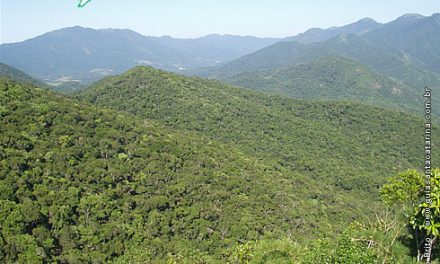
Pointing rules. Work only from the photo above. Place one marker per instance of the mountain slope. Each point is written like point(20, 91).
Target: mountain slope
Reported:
point(339, 143)
point(400, 66)
point(332, 78)
point(10, 72)
point(395, 64)
point(416, 35)
point(214, 49)
point(392, 49)
point(80, 184)
point(86, 54)
point(83, 53)
point(318, 34)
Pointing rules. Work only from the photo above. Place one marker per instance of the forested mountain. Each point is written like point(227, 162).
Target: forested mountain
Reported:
point(395, 64)
point(304, 151)
point(333, 78)
point(376, 48)
point(83, 54)
point(271, 127)
point(10, 72)
point(346, 148)
point(208, 166)
point(410, 64)
point(318, 34)
point(82, 184)
point(416, 35)
point(285, 54)
point(86, 54)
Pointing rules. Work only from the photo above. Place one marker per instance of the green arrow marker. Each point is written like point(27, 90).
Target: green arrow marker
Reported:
point(82, 3)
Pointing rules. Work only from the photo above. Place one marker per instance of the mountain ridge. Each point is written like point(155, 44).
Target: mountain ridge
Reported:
point(86, 54)
point(405, 62)
point(331, 78)
point(318, 34)
point(75, 52)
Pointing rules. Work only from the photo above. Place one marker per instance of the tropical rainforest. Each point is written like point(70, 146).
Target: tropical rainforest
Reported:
point(308, 150)
point(211, 174)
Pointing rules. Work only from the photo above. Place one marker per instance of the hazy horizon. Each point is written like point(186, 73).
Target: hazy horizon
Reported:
point(197, 18)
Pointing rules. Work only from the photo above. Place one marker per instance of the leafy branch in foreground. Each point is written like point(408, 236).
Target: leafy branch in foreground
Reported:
point(407, 190)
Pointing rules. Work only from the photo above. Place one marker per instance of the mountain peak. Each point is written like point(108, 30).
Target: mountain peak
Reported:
point(367, 20)
point(410, 16)
point(70, 30)
point(74, 28)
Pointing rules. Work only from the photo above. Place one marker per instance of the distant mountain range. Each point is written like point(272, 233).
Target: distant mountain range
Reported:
point(380, 64)
point(369, 48)
point(86, 54)
point(405, 51)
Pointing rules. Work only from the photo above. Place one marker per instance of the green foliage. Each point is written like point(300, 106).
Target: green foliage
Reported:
point(405, 187)
point(342, 250)
point(398, 55)
point(83, 184)
point(332, 78)
point(354, 145)
point(348, 146)
point(418, 218)
point(407, 191)
point(242, 254)
point(10, 72)
point(279, 251)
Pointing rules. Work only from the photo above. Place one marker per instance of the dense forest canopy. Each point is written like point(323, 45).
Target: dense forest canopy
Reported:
point(313, 157)
point(336, 141)
point(82, 183)
point(331, 78)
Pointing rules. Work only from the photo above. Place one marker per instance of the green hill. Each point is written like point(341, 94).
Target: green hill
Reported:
point(10, 72)
point(396, 64)
point(333, 78)
point(82, 184)
point(203, 166)
point(347, 145)
point(393, 49)
point(393, 63)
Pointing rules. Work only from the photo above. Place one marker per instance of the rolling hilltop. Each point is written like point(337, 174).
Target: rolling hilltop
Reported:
point(85, 184)
point(285, 130)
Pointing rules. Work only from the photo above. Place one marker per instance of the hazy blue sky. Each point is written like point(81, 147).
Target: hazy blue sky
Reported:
point(23, 19)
